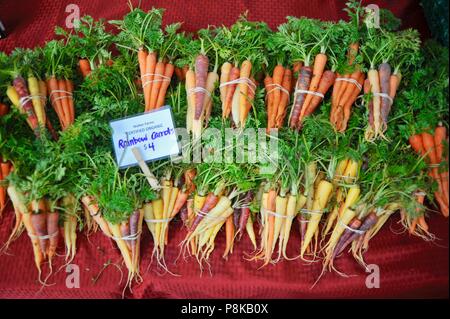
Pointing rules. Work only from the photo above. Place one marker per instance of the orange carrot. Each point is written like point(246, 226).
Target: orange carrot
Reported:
point(168, 72)
point(85, 67)
point(417, 144)
point(150, 65)
point(268, 81)
point(65, 102)
point(347, 107)
point(422, 223)
point(234, 75)
point(156, 85)
point(244, 88)
point(277, 78)
point(52, 84)
point(282, 107)
point(229, 233)
point(179, 203)
point(325, 83)
point(69, 86)
point(142, 59)
point(440, 133)
point(319, 66)
point(271, 199)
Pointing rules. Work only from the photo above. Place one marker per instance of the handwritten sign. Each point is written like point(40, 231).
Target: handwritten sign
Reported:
point(153, 133)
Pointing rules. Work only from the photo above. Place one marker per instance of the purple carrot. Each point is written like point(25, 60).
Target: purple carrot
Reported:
point(236, 217)
point(303, 81)
point(39, 222)
point(184, 214)
point(368, 222)
point(384, 71)
point(133, 229)
point(125, 231)
point(21, 88)
point(245, 213)
point(355, 223)
point(53, 231)
point(201, 73)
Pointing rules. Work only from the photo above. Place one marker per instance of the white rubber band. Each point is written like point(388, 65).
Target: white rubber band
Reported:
point(198, 212)
point(356, 231)
point(129, 237)
point(434, 165)
point(266, 211)
point(247, 81)
point(166, 220)
point(311, 212)
point(353, 81)
point(43, 237)
point(278, 87)
point(343, 176)
point(63, 97)
point(309, 92)
point(198, 89)
point(386, 96)
point(59, 91)
point(163, 78)
point(420, 193)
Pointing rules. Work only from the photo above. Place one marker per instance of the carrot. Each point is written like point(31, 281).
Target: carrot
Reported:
point(229, 233)
point(69, 87)
point(384, 71)
point(209, 203)
point(190, 84)
point(22, 91)
point(422, 223)
point(268, 81)
point(271, 206)
point(65, 102)
point(168, 72)
point(352, 52)
point(368, 222)
point(251, 232)
point(39, 222)
point(231, 88)
point(149, 76)
point(319, 66)
point(282, 106)
point(355, 223)
point(277, 78)
point(303, 81)
point(52, 84)
point(394, 83)
point(201, 73)
point(326, 82)
point(179, 203)
point(417, 144)
point(374, 79)
point(85, 67)
point(245, 213)
point(244, 88)
point(440, 133)
point(429, 147)
point(347, 107)
point(53, 232)
point(134, 231)
point(156, 85)
point(224, 77)
point(94, 210)
point(179, 74)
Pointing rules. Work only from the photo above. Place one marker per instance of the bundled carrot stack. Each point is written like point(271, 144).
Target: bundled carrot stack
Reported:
point(278, 89)
point(159, 212)
point(237, 91)
point(383, 85)
point(29, 100)
point(5, 170)
point(432, 148)
point(199, 87)
point(155, 77)
point(310, 89)
point(345, 92)
point(60, 92)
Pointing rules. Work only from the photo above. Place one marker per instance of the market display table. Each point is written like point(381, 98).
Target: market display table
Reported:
point(409, 267)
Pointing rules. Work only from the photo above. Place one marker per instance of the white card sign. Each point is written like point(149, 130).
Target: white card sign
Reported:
point(153, 133)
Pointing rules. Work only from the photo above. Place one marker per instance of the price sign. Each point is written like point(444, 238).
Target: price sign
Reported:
point(153, 133)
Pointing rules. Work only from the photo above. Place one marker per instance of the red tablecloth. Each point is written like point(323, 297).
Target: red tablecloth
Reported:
point(409, 267)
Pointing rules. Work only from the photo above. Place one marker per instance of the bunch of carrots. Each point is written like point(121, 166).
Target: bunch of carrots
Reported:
point(5, 170)
point(60, 93)
point(200, 85)
point(237, 91)
point(431, 147)
point(159, 212)
point(311, 86)
point(383, 85)
point(346, 89)
point(155, 77)
point(29, 100)
point(278, 89)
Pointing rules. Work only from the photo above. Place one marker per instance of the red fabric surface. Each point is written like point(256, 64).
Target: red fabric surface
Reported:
point(409, 267)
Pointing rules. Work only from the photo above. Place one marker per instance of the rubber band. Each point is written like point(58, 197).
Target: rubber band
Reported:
point(165, 220)
point(309, 92)
point(312, 212)
point(266, 211)
point(336, 176)
point(241, 207)
point(420, 193)
point(353, 81)
point(129, 237)
point(62, 97)
point(25, 99)
point(434, 165)
point(356, 231)
point(43, 237)
point(278, 87)
point(386, 96)
point(198, 89)
point(59, 91)
point(163, 78)
point(247, 81)
point(199, 212)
